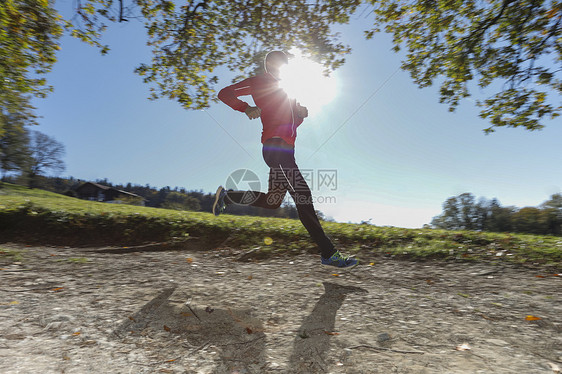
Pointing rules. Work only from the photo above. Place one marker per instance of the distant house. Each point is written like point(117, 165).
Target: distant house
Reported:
point(97, 192)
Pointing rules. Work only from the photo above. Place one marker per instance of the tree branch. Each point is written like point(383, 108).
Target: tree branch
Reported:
point(121, 19)
point(485, 25)
point(551, 33)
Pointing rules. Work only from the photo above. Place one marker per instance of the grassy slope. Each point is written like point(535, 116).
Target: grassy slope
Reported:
point(40, 216)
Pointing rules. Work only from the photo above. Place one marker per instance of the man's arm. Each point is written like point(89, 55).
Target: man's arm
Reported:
point(302, 111)
point(229, 95)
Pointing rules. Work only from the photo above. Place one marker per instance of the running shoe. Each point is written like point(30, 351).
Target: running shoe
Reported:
point(340, 261)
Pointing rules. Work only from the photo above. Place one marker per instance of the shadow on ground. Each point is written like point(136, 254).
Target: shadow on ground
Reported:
point(312, 341)
point(239, 337)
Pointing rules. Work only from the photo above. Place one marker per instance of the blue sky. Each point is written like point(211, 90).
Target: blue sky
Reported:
point(398, 156)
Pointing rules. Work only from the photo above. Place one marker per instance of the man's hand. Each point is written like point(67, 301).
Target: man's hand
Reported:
point(302, 111)
point(253, 112)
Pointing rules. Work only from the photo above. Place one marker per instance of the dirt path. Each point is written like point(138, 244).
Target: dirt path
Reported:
point(68, 310)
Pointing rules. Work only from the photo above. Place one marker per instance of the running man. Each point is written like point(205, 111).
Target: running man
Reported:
point(280, 117)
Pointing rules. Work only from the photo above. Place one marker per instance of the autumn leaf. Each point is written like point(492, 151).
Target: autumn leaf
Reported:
point(132, 319)
point(250, 277)
point(551, 13)
point(189, 260)
point(331, 333)
point(249, 330)
point(532, 318)
point(76, 333)
point(167, 328)
point(58, 289)
point(335, 275)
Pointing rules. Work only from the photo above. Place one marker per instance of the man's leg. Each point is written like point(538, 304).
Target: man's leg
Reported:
point(302, 196)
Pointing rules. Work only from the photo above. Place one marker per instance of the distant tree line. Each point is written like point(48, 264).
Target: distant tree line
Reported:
point(464, 212)
point(182, 199)
point(165, 197)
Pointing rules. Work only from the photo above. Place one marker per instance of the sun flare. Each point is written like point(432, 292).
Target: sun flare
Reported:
point(304, 80)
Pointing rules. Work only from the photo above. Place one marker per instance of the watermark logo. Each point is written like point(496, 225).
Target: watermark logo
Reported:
point(302, 182)
point(246, 181)
point(328, 178)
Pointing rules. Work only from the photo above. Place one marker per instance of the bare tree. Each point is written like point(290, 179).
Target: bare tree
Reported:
point(46, 154)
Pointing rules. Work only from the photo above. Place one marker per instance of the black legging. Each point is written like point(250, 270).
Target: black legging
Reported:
point(284, 175)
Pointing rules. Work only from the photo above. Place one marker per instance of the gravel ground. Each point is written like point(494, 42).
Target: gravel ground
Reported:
point(135, 310)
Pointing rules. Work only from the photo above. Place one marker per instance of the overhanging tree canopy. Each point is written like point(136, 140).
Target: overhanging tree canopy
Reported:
point(29, 30)
point(515, 43)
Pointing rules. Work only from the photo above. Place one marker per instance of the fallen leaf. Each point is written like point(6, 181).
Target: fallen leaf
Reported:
point(249, 330)
point(331, 333)
point(76, 333)
point(539, 276)
point(167, 328)
point(372, 264)
point(172, 360)
point(189, 260)
point(532, 318)
point(186, 314)
point(250, 277)
point(58, 289)
point(463, 347)
point(131, 318)
point(15, 302)
point(335, 275)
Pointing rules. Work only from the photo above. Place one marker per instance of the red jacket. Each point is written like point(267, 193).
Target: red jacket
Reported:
point(278, 111)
